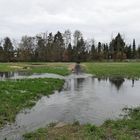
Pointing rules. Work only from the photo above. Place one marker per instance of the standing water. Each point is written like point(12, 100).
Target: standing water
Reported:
point(84, 98)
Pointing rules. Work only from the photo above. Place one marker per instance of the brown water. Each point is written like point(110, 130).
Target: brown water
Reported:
point(83, 98)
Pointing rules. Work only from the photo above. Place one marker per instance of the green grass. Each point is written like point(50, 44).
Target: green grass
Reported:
point(36, 67)
point(19, 94)
point(57, 69)
point(127, 128)
point(122, 69)
point(125, 69)
point(5, 68)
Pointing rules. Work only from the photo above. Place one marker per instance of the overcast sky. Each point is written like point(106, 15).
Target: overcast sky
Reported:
point(98, 19)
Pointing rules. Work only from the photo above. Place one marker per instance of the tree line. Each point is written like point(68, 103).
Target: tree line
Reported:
point(65, 47)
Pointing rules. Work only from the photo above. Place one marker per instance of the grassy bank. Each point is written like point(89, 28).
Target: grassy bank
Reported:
point(127, 128)
point(36, 67)
point(125, 69)
point(131, 69)
point(19, 94)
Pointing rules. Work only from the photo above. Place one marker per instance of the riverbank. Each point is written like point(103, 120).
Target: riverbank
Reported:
point(36, 67)
point(127, 128)
point(16, 95)
point(100, 69)
point(20, 94)
point(112, 69)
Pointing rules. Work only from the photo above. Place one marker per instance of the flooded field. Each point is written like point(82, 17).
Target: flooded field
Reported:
point(84, 98)
point(23, 75)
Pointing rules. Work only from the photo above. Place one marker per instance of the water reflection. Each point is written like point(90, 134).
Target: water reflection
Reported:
point(133, 82)
point(77, 83)
point(7, 75)
point(74, 84)
point(78, 69)
point(102, 79)
point(80, 82)
point(29, 75)
point(117, 81)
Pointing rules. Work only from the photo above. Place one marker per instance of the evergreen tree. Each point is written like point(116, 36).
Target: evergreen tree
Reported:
point(93, 52)
point(80, 50)
point(41, 49)
point(99, 50)
point(50, 48)
point(105, 51)
point(134, 49)
point(70, 53)
point(8, 49)
point(58, 47)
point(1, 54)
point(117, 47)
point(128, 51)
point(138, 51)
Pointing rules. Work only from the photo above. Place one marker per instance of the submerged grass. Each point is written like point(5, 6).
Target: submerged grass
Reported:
point(127, 128)
point(19, 94)
point(122, 69)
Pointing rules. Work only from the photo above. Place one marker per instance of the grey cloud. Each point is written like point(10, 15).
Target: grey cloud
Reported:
point(97, 19)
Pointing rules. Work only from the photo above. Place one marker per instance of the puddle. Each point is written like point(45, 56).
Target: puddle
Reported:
point(83, 98)
point(8, 75)
point(23, 75)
